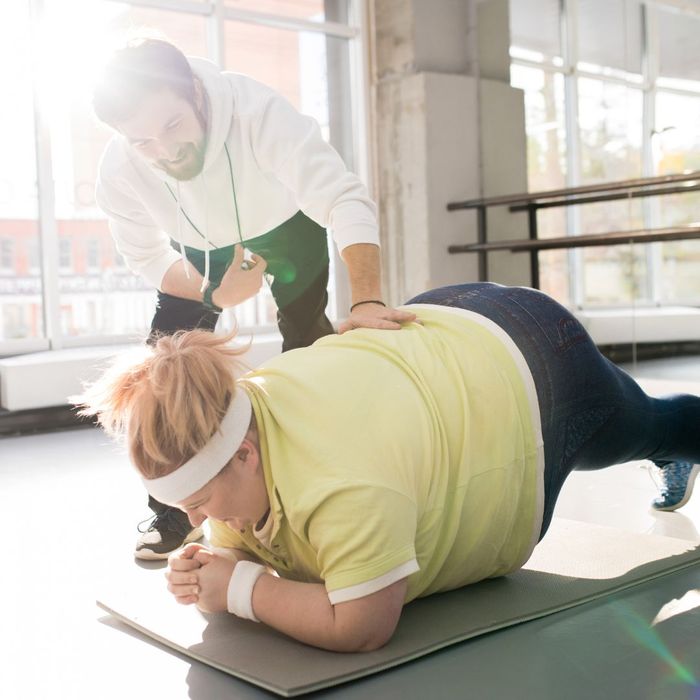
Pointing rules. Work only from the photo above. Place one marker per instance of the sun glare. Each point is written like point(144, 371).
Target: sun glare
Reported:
point(72, 42)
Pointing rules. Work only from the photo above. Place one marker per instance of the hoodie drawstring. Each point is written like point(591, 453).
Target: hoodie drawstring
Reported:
point(183, 252)
point(205, 281)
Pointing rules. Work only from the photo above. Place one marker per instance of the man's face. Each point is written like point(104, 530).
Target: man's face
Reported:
point(170, 133)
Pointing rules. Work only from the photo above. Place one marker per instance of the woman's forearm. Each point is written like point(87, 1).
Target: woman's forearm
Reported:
point(303, 611)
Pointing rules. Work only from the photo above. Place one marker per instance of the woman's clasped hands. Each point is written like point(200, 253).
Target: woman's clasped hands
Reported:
point(196, 575)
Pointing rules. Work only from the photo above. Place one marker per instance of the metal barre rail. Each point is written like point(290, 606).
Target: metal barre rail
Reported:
point(532, 202)
point(692, 186)
point(584, 241)
point(525, 198)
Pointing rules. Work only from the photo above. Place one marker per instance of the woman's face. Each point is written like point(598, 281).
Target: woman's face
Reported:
point(237, 495)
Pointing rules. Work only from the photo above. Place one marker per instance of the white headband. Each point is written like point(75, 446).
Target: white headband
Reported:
point(213, 457)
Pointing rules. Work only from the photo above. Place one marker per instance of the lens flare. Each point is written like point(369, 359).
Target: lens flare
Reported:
point(640, 630)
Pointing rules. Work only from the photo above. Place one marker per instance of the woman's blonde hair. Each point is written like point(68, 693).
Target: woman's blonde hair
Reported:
point(169, 402)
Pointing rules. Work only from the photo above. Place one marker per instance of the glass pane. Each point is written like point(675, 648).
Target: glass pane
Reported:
point(610, 34)
point(298, 66)
point(680, 270)
point(679, 46)
point(99, 295)
point(545, 126)
point(611, 137)
point(187, 32)
point(310, 70)
point(677, 138)
point(677, 149)
point(21, 313)
point(315, 10)
point(610, 126)
point(546, 165)
point(614, 275)
point(534, 26)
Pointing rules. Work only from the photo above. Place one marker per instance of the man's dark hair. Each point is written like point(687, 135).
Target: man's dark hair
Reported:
point(140, 68)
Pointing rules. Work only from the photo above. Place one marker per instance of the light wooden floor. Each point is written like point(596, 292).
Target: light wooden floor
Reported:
point(70, 504)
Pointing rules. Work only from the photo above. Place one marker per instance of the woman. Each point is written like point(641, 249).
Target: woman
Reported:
point(375, 467)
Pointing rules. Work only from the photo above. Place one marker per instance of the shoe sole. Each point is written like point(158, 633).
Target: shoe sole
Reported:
point(688, 492)
point(148, 554)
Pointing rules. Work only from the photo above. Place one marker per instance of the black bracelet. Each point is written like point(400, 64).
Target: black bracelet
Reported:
point(369, 301)
point(207, 301)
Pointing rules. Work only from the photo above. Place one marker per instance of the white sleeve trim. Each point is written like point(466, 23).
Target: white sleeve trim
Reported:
point(342, 595)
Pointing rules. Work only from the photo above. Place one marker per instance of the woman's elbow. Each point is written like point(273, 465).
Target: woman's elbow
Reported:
point(364, 638)
point(351, 645)
point(375, 642)
point(368, 623)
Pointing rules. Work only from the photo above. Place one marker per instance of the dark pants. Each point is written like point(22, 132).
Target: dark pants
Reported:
point(296, 253)
point(593, 414)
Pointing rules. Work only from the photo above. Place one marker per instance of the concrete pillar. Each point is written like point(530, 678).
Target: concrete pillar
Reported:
point(447, 126)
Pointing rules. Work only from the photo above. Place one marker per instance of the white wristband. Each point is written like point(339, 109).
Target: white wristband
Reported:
point(239, 596)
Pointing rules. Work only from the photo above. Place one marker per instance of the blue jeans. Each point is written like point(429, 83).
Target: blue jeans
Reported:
point(593, 414)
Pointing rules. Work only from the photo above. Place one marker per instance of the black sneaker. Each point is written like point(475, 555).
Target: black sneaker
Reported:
point(165, 533)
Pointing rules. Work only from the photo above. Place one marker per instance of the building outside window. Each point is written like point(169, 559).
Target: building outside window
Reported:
point(92, 255)
point(65, 255)
point(7, 255)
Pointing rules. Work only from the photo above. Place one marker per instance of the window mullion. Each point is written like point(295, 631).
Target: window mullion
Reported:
point(48, 228)
point(650, 74)
point(573, 221)
point(216, 39)
point(360, 99)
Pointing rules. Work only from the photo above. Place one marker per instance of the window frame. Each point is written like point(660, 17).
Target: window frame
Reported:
point(216, 13)
point(7, 248)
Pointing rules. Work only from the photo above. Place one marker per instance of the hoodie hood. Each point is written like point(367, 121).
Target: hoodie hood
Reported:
point(219, 96)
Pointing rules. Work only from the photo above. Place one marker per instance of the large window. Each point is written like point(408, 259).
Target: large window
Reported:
point(61, 281)
point(612, 91)
point(21, 308)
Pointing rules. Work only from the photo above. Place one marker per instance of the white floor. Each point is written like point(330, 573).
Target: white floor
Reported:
point(70, 502)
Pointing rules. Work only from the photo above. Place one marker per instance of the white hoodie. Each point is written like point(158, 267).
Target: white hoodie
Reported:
point(281, 164)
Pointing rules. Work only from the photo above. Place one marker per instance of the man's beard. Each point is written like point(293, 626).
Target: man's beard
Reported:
point(192, 154)
point(189, 164)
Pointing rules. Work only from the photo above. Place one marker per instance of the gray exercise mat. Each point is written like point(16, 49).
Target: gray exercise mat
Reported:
point(574, 564)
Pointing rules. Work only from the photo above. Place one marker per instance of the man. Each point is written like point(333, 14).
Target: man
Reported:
point(204, 160)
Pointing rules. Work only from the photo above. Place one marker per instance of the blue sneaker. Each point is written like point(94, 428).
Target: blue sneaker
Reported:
point(677, 478)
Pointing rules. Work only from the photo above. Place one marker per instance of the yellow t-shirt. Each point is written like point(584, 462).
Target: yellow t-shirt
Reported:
point(398, 453)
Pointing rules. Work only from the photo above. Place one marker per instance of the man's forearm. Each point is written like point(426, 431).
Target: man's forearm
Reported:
point(178, 284)
point(364, 269)
point(239, 282)
point(364, 266)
